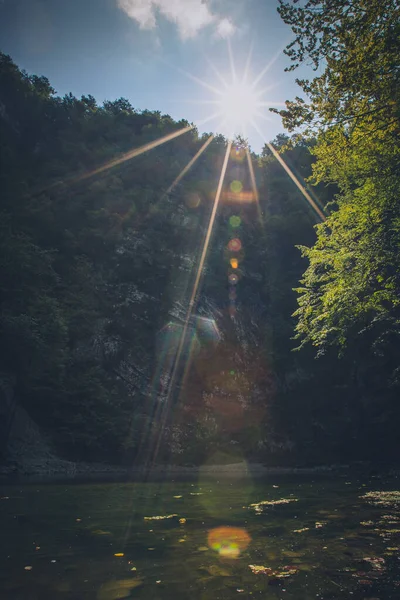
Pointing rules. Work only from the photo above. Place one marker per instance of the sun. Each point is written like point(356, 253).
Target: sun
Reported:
point(239, 104)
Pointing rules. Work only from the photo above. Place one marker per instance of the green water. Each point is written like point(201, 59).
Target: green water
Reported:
point(61, 541)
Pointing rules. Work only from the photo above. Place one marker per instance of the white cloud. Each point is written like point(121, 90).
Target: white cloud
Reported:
point(225, 28)
point(190, 16)
point(140, 10)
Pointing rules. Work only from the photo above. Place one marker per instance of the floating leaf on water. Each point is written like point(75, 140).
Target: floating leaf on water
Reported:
point(280, 573)
point(182, 540)
point(78, 520)
point(259, 506)
point(28, 568)
point(160, 518)
point(301, 530)
point(114, 590)
point(177, 497)
point(150, 548)
point(382, 498)
point(260, 569)
point(286, 572)
point(377, 563)
point(196, 493)
point(182, 521)
point(101, 532)
point(158, 581)
point(119, 554)
point(133, 569)
point(203, 549)
point(320, 524)
point(366, 523)
point(387, 532)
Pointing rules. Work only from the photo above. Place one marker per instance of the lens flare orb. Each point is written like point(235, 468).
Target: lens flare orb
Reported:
point(236, 186)
point(235, 221)
point(229, 542)
point(235, 245)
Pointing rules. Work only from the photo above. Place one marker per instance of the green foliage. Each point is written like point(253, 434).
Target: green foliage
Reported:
point(352, 283)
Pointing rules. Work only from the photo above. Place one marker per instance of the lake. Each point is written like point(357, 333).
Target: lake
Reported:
point(218, 537)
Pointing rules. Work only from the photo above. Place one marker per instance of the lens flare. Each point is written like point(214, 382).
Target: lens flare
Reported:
point(234, 263)
point(233, 279)
point(235, 245)
point(229, 542)
point(238, 154)
point(236, 187)
point(235, 222)
point(193, 200)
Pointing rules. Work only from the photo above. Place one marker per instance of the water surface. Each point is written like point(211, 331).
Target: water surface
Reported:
point(316, 537)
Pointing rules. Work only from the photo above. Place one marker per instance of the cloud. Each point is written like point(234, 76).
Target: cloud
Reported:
point(225, 28)
point(190, 16)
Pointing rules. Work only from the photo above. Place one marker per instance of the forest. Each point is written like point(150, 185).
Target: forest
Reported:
point(289, 354)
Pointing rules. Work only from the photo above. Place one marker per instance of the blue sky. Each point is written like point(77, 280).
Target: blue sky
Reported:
point(141, 49)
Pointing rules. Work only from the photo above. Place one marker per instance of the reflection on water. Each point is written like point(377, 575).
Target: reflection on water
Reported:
point(293, 538)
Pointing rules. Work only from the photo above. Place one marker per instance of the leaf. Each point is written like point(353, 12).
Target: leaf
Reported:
point(160, 518)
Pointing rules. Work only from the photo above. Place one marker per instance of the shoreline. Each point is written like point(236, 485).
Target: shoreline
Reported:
point(58, 470)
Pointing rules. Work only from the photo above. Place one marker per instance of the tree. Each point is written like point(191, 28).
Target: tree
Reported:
point(352, 278)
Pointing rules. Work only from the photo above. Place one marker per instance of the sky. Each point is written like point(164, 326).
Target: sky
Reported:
point(156, 53)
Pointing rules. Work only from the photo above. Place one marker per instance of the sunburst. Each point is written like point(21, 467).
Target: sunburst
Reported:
point(238, 100)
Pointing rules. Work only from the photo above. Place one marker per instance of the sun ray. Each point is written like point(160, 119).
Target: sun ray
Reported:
point(216, 102)
point(133, 153)
point(216, 71)
point(189, 165)
point(121, 159)
point(269, 65)
point(210, 118)
point(268, 88)
point(292, 176)
point(179, 177)
point(247, 67)
point(193, 295)
point(198, 80)
point(260, 115)
point(268, 104)
point(231, 61)
point(254, 185)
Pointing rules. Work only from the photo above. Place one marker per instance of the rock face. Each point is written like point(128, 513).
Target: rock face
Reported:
point(25, 448)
